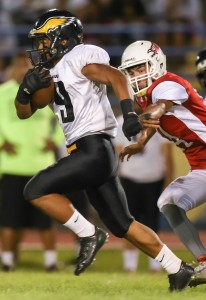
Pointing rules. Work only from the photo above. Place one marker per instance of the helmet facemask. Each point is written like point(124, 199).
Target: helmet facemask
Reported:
point(135, 81)
point(46, 56)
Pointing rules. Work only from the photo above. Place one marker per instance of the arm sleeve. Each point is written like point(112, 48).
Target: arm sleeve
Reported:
point(93, 55)
point(170, 90)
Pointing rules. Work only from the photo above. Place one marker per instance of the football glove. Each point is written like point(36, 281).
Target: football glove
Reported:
point(33, 81)
point(131, 125)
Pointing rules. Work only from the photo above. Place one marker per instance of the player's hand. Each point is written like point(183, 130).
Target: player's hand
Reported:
point(131, 126)
point(34, 80)
point(130, 150)
point(147, 121)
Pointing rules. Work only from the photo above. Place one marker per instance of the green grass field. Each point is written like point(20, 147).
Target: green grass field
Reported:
point(104, 280)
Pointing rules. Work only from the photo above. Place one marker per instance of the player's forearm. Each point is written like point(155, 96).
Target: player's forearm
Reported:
point(23, 111)
point(121, 88)
point(155, 111)
point(146, 135)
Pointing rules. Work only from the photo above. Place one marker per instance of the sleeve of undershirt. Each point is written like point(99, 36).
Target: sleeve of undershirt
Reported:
point(170, 90)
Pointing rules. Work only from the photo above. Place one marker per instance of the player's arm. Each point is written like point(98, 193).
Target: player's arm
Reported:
point(33, 80)
point(145, 119)
point(24, 111)
point(108, 75)
point(130, 150)
point(111, 76)
point(137, 108)
point(154, 112)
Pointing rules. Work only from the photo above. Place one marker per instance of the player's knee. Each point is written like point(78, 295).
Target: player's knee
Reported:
point(118, 229)
point(169, 209)
point(184, 202)
point(163, 201)
point(160, 205)
point(118, 232)
point(28, 192)
point(31, 190)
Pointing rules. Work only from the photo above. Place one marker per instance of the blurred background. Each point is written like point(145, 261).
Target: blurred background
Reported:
point(177, 26)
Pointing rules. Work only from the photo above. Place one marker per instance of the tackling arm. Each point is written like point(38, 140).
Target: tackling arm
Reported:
point(130, 150)
point(154, 112)
point(108, 75)
point(151, 113)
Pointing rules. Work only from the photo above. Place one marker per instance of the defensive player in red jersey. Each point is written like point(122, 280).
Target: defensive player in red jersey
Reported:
point(181, 112)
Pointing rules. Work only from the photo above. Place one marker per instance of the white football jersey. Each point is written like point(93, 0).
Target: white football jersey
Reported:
point(81, 105)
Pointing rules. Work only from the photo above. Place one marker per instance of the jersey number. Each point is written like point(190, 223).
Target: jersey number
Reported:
point(62, 98)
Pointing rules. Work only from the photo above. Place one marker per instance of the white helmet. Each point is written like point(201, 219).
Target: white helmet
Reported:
point(143, 52)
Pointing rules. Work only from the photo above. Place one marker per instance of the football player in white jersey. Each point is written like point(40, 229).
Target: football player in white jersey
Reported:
point(182, 115)
point(81, 73)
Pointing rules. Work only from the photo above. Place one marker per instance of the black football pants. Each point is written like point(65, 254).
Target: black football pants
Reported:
point(92, 167)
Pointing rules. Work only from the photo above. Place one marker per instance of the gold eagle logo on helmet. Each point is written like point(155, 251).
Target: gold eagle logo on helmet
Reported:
point(48, 25)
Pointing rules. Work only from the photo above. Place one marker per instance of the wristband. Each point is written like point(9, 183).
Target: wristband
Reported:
point(22, 97)
point(127, 107)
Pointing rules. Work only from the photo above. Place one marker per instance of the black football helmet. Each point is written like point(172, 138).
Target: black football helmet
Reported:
point(56, 25)
point(201, 68)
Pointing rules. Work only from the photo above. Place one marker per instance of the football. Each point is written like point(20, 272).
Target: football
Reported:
point(44, 96)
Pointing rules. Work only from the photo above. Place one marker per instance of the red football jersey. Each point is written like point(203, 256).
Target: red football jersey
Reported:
point(185, 122)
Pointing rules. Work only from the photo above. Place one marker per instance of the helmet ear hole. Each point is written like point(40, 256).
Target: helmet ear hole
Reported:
point(64, 44)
